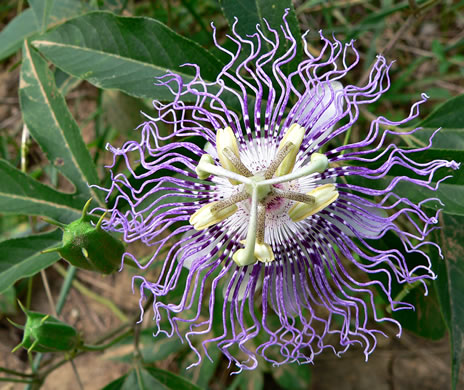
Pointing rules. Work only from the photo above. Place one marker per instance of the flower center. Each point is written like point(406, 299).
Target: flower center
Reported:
point(261, 188)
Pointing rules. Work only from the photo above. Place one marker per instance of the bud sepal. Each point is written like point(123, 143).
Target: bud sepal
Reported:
point(45, 333)
point(90, 247)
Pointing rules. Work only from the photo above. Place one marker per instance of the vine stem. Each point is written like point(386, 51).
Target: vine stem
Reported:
point(76, 373)
point(102, 347)
point(87, 348)
point(13, 372)
point(65, 287)
point(18, 380)
point(48, 292)
point(88, 293)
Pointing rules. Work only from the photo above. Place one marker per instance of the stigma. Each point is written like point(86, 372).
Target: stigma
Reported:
point(258, 189)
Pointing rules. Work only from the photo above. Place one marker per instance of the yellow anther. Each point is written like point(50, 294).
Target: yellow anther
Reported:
point(294, 135)
point(205, 217)
point(323, 195)
point(225, 139)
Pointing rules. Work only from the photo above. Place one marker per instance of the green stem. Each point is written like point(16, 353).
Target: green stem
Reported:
point(102, 347)
point(404, 292)
point(19, 380)
point(71, 272)
point(29, 292)
point(346, 140)
point(89, 293)
point(105, 337)
point(13, 372)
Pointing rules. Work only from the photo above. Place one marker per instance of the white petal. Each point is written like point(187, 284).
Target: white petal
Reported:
point(189, 260)
point(243, 285)
point(324, 100)
point(210, 149)
point(369, 228)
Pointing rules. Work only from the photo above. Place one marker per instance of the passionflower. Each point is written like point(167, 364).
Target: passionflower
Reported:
point(258, 213)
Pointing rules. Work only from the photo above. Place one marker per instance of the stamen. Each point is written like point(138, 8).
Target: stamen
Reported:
point(281, 154)
point(319, 163)
point(324, 196)
point(205, 217)
point(222, 204)
point(292, 195)
point(294, 135)
point(237, 163)
point(263, 251)
point(205, 168)
point(261, 223)
point(225, 139)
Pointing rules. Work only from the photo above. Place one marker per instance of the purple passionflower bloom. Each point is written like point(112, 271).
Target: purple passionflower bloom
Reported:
point(264, 211)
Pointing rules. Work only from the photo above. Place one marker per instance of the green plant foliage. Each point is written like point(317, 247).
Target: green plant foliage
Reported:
point(8, 301)
point(252, 13)
point(248, 380)
point(448, 117)
point(43, 14)
point(22, 257)
point(52, 125)
point(150, 379)
point(449, 284)
point(22, 195)
point(106, 61)
point(292, 376)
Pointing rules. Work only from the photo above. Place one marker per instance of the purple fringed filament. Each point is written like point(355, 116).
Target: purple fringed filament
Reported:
point(264, 213)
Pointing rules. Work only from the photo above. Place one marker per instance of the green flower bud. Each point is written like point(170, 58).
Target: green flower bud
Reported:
point(44, 333)
point(90, 247)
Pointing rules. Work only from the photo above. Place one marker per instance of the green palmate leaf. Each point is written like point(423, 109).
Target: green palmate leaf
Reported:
point(26, 24)
point(292, 376)
point(65, 82)
point(42, 10)
point(450, 195)
point(21, 27)
point(251, 13)
point(140, 379)
point(125, 53)
point(52, 125)
point(450, 284)
point(448, 139)
point(447, 115)
point(116, 384)
point(248, 380)
point(8, 300)
point(152, 348)
point(21, 257)
point(167, 380)
point(202, 374)
point(160, 348)
point(20, 194)
point(425, 320)
point(150, 379)
point(450, 191)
